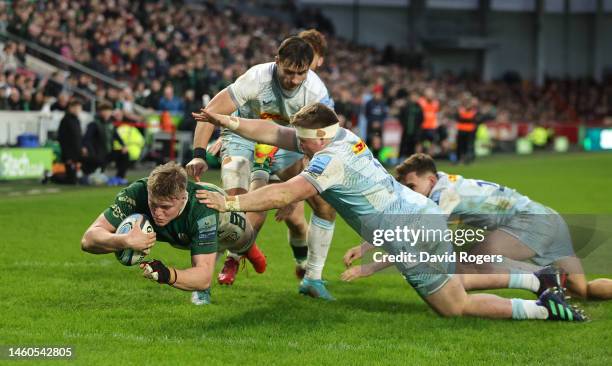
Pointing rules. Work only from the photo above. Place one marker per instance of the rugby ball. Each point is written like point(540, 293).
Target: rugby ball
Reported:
point(130, 257)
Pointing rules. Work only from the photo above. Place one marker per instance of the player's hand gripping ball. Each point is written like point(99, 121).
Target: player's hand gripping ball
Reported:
point(130, 257)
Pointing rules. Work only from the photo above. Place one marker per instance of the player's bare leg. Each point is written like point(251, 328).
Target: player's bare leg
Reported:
point(600, 288)
point(500, 242)
point(511, 273)
point(452, 301)
point(577, 284)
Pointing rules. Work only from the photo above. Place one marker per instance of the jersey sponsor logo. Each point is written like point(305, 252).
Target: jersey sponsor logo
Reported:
point(207, 222)
point(359, 147)
point(207, 229)
point(130, 201)
point(452, 178)
point(272, 116)
point(117, 212)
point(318, 164)
point(205, 237)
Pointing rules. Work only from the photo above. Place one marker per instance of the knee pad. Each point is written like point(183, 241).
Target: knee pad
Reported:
point(236, 172)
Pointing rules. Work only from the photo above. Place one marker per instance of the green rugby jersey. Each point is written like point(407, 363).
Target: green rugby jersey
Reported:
point(194, 229)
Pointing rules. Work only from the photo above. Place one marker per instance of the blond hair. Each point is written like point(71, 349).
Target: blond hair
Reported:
point(167, 181)
point(316, 115)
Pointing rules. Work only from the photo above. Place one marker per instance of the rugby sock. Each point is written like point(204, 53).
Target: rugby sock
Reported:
point(320, 233)
point(299, 248)
point(259, 178)
point(236, 256)
point(527, 309)
point(526, 281)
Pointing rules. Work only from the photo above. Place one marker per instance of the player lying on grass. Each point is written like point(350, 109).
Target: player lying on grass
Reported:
point(345, 173)
point(179, 219)
point(521, 229)
point(273, 91)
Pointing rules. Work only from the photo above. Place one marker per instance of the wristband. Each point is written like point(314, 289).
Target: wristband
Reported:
point(232, 203)
point(199, 153)
point(175, 276)
point(234, 123)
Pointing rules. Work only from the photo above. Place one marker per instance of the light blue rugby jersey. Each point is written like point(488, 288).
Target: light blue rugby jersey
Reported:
point(476, 201)
point(258, 94)
point(349, 178)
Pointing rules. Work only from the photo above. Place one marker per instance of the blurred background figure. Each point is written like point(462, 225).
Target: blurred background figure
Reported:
point(429, 128)
point(70, 137)
point(376, 110)
point(410, 116)
point(467, 119)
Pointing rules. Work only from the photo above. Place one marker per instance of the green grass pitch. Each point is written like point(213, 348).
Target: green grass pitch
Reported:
point(55, 294)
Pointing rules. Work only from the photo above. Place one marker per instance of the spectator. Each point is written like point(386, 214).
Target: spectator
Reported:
point(429, 128)
point(411, 118)
point(155, 94)
point(8, 57)
point(376, 113)
point(191, 106)
point(38, 101)
point(69, 135)
point(62, 102)
point(55, 84)
point(169, 102)
point(14, 100)
point(98, 143)
point(467, 118)
point(26, 100)
point(126, 104)
point(136, 44)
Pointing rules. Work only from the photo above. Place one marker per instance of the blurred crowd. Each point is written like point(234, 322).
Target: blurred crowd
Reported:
point(170, 56)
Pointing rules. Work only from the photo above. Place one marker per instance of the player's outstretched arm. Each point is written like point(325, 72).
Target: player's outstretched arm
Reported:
point(222, 103)
point(100, 238)
point(260, 130)
point(266, 198)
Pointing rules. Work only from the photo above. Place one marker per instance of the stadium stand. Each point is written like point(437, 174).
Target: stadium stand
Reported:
point(146, 46)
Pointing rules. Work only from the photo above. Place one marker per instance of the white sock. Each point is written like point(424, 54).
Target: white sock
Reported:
point(234, 255)
point(525, 281)
point(528, 309)
point(320, 233)
point(259, 178)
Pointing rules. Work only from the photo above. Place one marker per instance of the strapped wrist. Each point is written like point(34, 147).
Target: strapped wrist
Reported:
point(173, 276)
point(233, 123)
point(199, 153)
point(232, 203)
